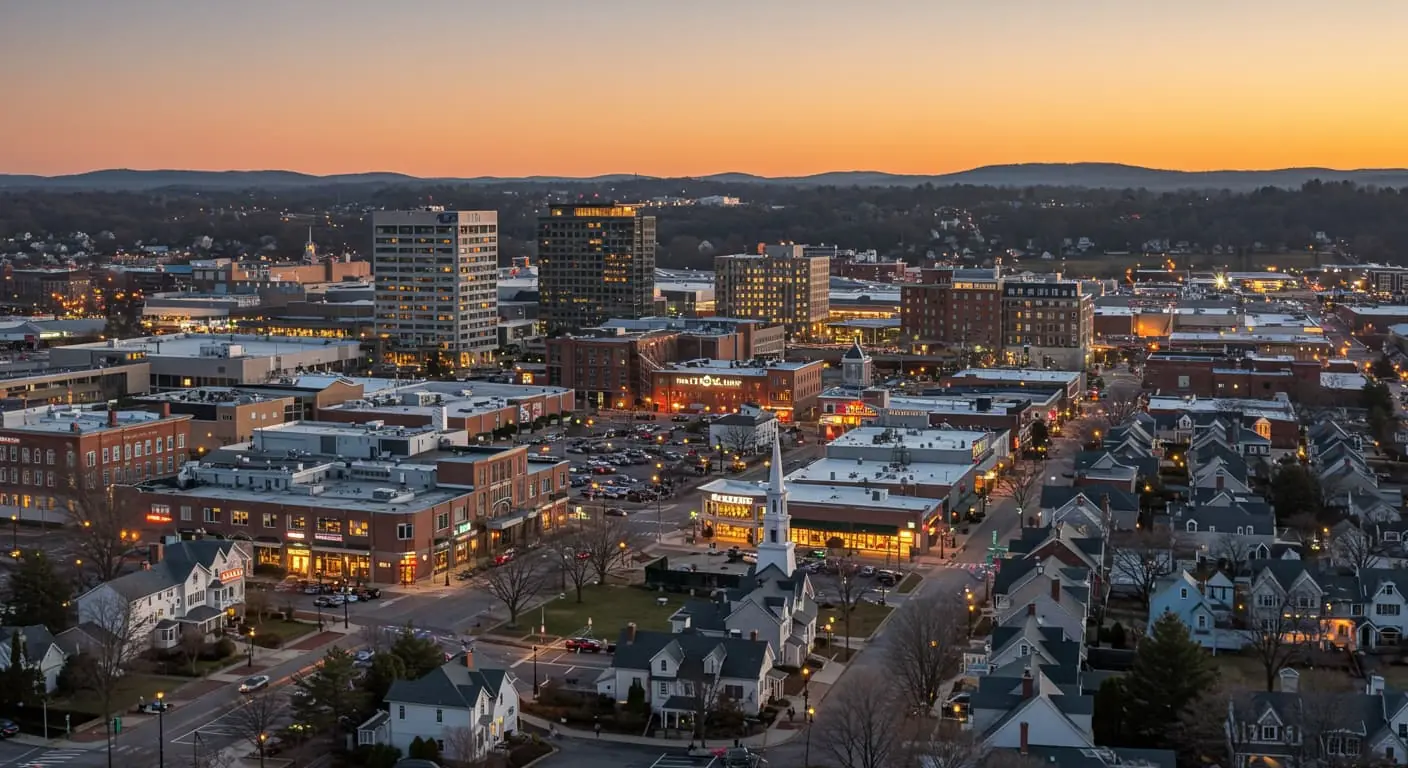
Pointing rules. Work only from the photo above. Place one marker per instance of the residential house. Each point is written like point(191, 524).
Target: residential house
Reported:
point(773, 607)
point(1287, 597)
point(1029, 709)
point(1222, 526)
point(1290, 728)
point(1069, 546)
point(465, 709)
point(688, 673)
point(40, 651)
point(751, 430)
point(1103, 468)
point(1208, 623)
point(1029, 641)
point(1059, 594)
point(1093, 510)
point(185, 586)
point(1359, 543)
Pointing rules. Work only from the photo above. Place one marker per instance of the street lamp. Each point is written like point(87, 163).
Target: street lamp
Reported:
point(15, 532)
point(659, 526)
point(251, 647)
point(263, 737)
point(535, 671)
point(344, 613)
point(161, 729)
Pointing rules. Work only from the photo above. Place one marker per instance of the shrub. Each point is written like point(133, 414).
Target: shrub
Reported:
point(1117, 636)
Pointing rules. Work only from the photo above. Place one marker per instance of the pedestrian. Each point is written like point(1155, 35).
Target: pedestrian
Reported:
point(598, 730)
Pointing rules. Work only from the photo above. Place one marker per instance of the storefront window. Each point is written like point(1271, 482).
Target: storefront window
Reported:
point(874, 543)
point(268, 556)
point(357, 527)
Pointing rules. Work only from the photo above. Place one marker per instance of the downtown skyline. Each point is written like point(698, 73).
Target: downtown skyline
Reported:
point(459, 89)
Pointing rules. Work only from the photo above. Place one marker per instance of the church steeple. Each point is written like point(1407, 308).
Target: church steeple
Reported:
point(776, 547)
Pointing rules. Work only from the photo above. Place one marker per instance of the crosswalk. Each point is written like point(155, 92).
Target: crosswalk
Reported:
point(49, 758)
point(684, 761)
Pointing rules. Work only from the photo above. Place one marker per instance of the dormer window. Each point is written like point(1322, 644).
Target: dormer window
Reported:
point(663, 665)
point(1270, 733)
point(1388, 589)
point(1192, 526)
point(1025, 650)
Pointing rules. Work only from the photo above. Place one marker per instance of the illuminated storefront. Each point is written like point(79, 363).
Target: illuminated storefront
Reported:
point(783, 388)
point(729, 518)
point(843, 417)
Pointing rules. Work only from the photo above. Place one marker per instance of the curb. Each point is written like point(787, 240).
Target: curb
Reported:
point(536, 760)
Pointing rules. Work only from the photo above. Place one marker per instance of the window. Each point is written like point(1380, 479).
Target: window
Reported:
point(1202, 621)
point(297, 523)
point(137, 450)
point(405, 531)
point(105, 455)
point(1192, 526)
point(1183, 593)
point(212, 514)
point(439, 715)
point(1025, 650)
point(442, 521)
point(329, 525)
point(92, 457)
point(49, 457)
point(1355, 609)
point(1387, 609)
point(181, 441)
point(271, 520)
point(664, 664)
point(1265, 600)
point(1388, 588)
point(168, 443)
point(1270, 733)
point(400, 711)
point(185, 512)
point(664, 689)
point(149, 448)
point(357, 528)
point(239, 517)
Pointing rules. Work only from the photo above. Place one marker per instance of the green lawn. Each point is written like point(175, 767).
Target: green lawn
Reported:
point(285, 631)
point(129, 689)
point(909, 584)
point(865, 619)
point(608, 607)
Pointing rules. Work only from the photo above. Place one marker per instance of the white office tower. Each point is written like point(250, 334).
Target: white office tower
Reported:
point(776, 547)
point(436, 274)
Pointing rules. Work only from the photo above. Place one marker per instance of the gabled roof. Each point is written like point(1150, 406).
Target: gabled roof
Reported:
point(178, 560)
point(37, 640)
point(742, 659)
point(1057, 496)
point(452, 685)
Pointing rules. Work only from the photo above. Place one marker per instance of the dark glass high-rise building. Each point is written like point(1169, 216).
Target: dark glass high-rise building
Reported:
point(595, 262)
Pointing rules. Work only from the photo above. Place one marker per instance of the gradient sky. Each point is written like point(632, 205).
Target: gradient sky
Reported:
point(689, 87)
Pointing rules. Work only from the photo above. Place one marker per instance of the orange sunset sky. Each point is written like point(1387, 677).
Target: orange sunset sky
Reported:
point(684, 87)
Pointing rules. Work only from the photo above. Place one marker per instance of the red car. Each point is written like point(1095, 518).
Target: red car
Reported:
point(585, 645)
point(504, 557)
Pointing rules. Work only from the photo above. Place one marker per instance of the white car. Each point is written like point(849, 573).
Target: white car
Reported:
point(256, 683)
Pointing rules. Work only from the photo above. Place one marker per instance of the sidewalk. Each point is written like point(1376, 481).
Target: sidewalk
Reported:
point(773, 736)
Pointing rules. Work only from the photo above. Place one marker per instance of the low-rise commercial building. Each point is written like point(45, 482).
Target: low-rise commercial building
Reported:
point(845, 408)
point(480, 408)
point(221, 416)
point(789, 389)
point(370, 504)
point(45, 385)
point(184, 360)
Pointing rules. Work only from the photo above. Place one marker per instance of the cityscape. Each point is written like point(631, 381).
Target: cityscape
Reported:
point(1075, 441)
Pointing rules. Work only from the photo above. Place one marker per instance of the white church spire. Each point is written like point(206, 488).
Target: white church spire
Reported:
point(776, 547)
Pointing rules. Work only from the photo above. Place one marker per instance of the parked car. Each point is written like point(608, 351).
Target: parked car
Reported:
point(867, 570)
point(154, 707)
point(328, 601)
point(504, 557)
point(615, 512)
point(8, 729)
point(256, 683)
point(585, 645)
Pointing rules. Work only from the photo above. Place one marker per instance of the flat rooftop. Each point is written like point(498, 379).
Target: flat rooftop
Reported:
point(1236, 336)
point(840, 495)
point(1271, 409)
point(726, 368)
point(61, 419)
point(345, 495)
point(1019, 374)
point(338, 428)
point(940, 439)
point(828, 470)
point(1393, 310)
point(190, 344)
point(955, 404)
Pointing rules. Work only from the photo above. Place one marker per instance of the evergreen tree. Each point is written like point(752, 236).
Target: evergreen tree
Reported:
point(419, 655)
point(1039, 435)
point(385, 669)
point(38, 594)
point(1107, 722)
point(327, 697)
point(1170, 671)
point(22, 684)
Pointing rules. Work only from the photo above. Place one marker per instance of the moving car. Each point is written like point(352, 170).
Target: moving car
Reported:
point(504, 557)
point(256, 683)
point(8, 729)
point(589, 645)
point(615, 512)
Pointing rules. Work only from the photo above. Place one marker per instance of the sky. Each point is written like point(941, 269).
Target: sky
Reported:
point(691, 87)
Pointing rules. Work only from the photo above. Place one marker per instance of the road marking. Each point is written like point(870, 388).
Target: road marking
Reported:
point(392, 601)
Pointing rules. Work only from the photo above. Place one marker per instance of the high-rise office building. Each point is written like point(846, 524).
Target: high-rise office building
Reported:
point(781, 284)
point(595, 262)
point(436, 274)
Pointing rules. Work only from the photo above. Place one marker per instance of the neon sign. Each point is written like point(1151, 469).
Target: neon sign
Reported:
point(158, 517)
point(707, 381)
point(722, 499)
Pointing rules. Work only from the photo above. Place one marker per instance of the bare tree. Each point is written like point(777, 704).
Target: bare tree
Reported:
point(608, 542)
point(1121, 406)
point(1203, 735)
point(114, 635)
point(516, 583)
point(849, 591)
point(1275, 635)
point(1354, 546)
point(949, 746)
point(738, 438)
point(1325, 721)
point(96, 524)
point(1023, 483)
point(576, 563)
point(254, 720)
point(192, 643)
point(704, 692)
point(1140, 559)
point(257, 605)
point(1234, 550)
point(464, 749)
point(927, 641)
point(864, 724)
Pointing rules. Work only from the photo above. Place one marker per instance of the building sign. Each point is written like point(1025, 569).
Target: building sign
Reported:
point(722, 499)
point(337, 537)
point(857, 408)
point(463, 528)
point(529, 412)
point(9, 441)
point(230, 575)
point(295, 535)
point(708, 381)
point(158, 517)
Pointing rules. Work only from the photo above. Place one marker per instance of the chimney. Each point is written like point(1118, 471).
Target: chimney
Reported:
point(112, 417)
point(630, 633)
point(154, 552)
point(75, 427)
point(469, 658)
point(1376, 685)
point(753, 635)
point(1024, 739)
point(166, 410)
point(1031, 609)
point(1289, 679)
point(1028, 684)
point(1056, 589)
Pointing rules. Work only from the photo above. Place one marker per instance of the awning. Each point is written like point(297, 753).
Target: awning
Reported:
point(683, 703)
point(508, 521)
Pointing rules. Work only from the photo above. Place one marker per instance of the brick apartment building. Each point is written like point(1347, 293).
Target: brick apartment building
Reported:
point(50, 453)
point(221, 416)
point(1213, 374)
point(953, 307)
point(791, 390)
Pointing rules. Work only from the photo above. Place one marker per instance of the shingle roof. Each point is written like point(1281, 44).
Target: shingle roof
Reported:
point(450, 685)
point(37, 639)
point(742, 659)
